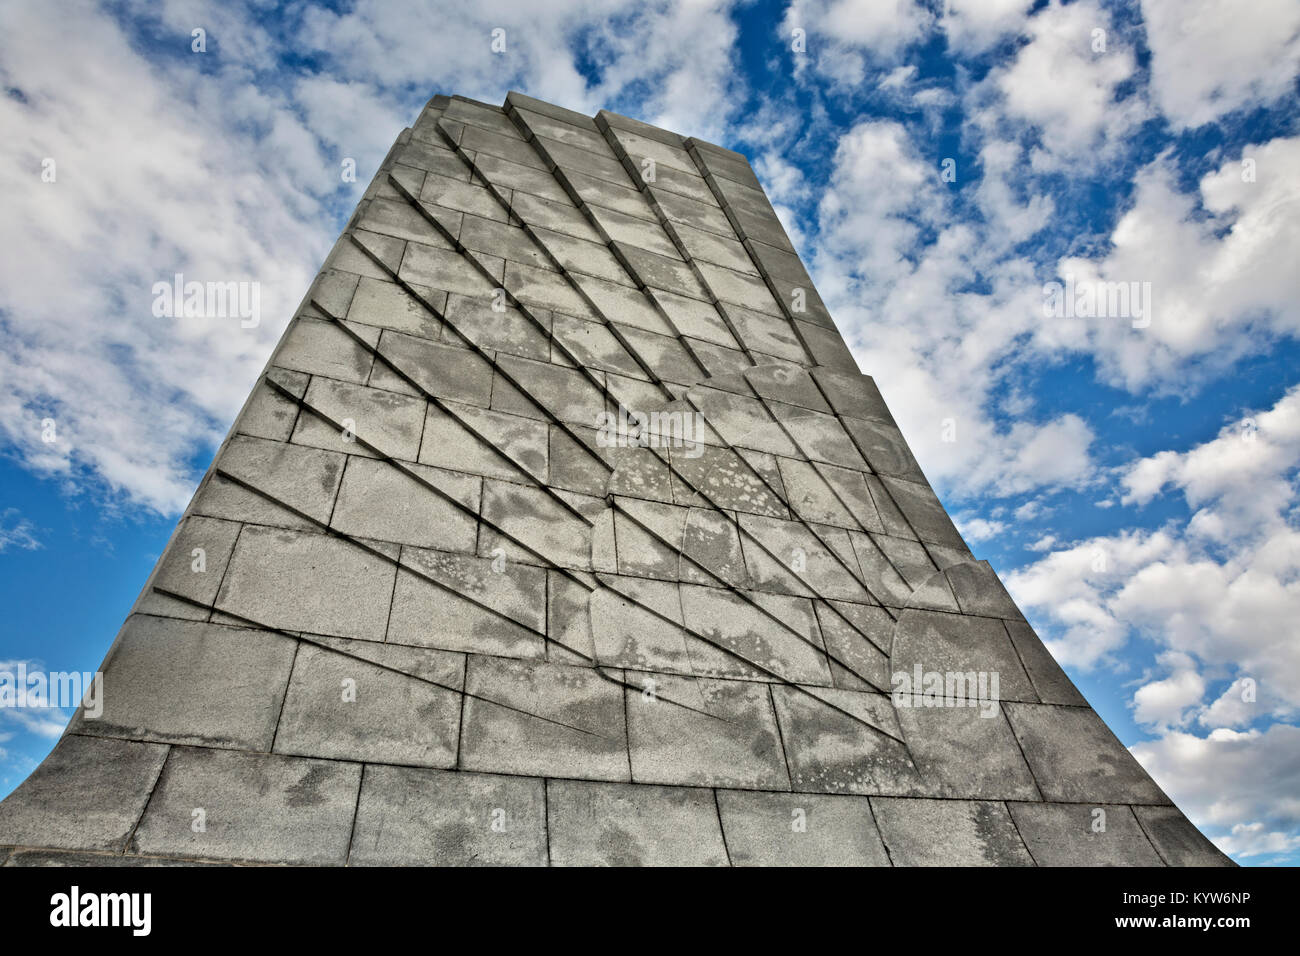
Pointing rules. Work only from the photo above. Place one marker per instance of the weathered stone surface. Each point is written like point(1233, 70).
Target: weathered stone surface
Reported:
point(271, 414)
point(776, 829)
point(1075, 757)
point(87, 794)
point(378, 501)
point(949, 833)
point(400, 706)
point(272, 483)
point(637, 623)
point(1076, 834)
point(459, 602)
point(840, 741)
point(257, 807)
point(196, 561)
point(754, 635)
point(1050, 682)
point(565, 393)
point(537, 528)
point(410, 817)
point(564, 528)
point(307, 582)
point(438, 370)
point(389, 306)
point(190, 683)
point(353, 419)
point(484, 442)
point(601, 824)
point(1177, 841)
point(322, 348)
point(967, 752)
point(66, 858)
point(699, 732)
point(543, 719)
point(937, 642)
point(492, 324)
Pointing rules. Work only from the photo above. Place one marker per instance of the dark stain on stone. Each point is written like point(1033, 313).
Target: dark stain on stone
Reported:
point(306, 792)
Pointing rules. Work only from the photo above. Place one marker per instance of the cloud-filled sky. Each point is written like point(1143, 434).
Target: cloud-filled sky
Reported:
point(1132, 472)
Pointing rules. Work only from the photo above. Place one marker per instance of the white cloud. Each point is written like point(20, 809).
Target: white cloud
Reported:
point(175, 190)
point(1237, 482)
point(1248, 783)
point(1210, 57)
point(974, 25)
point(881, 26)
point(895, 267)
point(1253, 839)
point(672, 60)
point(1003, 163)
point(229, 170)
point(1072, 591)
point(1218, 595)
point(845, 39)
point(975, 529)
point(46, 722)
point(898, 78)
point(17, 532)
point(1064, 84)
point(1235, 707)
point(1165, 703)
point(1222, 281)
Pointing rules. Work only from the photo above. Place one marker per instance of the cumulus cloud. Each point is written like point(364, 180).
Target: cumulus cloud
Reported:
point(1065, 85)
point(1222, 587)
point(1220, 264)
point(1209, 57)
point(846, 39)
point(1165, 703)
point(229, 171)
point(123, 206)
point(896, 266)
point(974, 25)
point(1237, 483)
point(671, 60)
point(34, 718)
point(1246, 783)
point(1235, 707)
point(975, 529)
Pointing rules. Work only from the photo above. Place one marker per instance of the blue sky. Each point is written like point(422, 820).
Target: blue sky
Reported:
point(1133, 480)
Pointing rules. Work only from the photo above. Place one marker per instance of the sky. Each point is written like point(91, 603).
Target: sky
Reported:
point(1131, 469)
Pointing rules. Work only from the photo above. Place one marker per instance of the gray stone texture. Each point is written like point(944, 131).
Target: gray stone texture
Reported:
point(776, 829)
point(410, 817)
point(255, 807)
point(563, 528)
point(599, 824)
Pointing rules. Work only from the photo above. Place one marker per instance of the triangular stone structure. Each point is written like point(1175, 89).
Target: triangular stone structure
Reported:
point(563, 528)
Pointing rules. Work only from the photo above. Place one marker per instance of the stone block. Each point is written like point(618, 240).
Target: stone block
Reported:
point(779, 829)
point(86, 795)
point(541, 719)
point(949, 833)
point(603, 824)
point(257, 807)
point(1072, 834)
point(411, 817)
point(187, 682)
point(400, 706)
point(307, 582)
point(703, 732)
